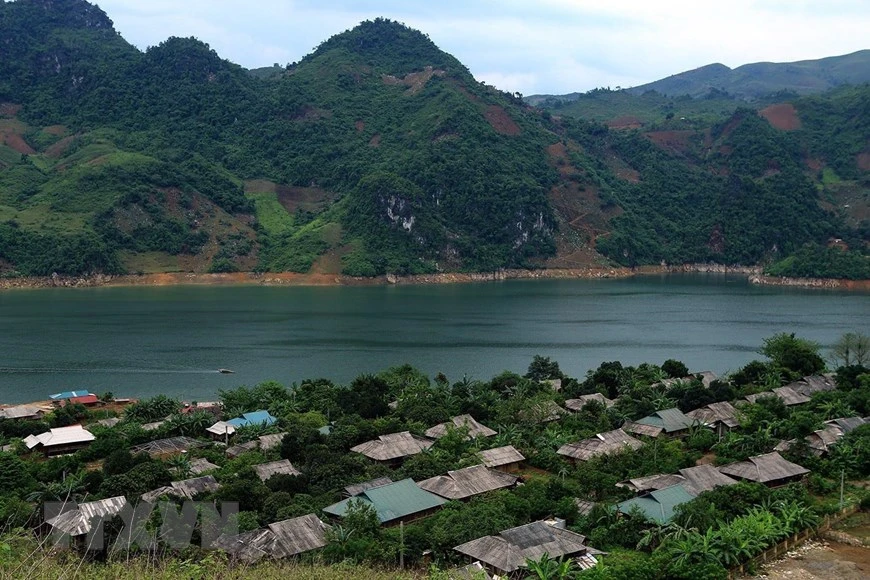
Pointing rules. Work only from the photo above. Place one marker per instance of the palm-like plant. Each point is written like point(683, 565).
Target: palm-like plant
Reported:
point(547, 568)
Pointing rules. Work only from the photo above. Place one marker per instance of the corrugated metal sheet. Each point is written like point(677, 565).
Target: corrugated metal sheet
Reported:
point(393, 446)
point(475, 429)
point(468, 482)
point(499, 456)
point(393, 501)
point(658, 505)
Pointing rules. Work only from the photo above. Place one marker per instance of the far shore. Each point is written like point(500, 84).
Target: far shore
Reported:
point(754, 274)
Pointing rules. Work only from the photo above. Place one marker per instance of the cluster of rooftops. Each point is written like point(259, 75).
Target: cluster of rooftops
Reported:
point(406, 500)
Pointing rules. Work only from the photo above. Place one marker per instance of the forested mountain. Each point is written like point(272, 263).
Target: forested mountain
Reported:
point(378, 153)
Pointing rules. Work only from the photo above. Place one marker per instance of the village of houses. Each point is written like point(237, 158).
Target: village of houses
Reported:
point(403, 501)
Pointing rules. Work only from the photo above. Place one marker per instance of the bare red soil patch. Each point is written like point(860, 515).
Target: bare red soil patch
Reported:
point(9, 109)
point(56, 150)
point(414, 81)
point(782, 116)
point(360, 125)
point(814, 163)
point(559, 155)
point(625, 122)
point(15, 141)
point(678, 141)
point(863, 160)
point(375, 141)
point(305, 198)
point(58, 130)
point(501, 121)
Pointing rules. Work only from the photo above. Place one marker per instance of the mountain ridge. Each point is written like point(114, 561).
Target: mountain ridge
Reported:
point(375, 154)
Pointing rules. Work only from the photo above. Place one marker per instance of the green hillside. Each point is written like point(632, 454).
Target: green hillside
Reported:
point(379, 153)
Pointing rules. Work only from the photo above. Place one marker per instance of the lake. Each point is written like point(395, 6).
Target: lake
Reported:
point(141, 341)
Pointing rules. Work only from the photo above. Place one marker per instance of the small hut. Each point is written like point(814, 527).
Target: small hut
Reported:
point(475, 429)
point(771, 469)
point(402, 501)
point(283, 467)
point(608, 443)
point(505, 458)
point(468, 482)
point(60, 440)
point(393, 448)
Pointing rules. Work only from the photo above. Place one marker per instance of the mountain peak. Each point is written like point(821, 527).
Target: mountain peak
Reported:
point(389, 45)
point(65, 13)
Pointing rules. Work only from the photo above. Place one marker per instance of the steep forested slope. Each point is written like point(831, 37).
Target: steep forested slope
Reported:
point(376, 153)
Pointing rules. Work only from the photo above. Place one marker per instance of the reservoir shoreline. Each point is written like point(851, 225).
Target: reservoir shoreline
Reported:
point(754, 275)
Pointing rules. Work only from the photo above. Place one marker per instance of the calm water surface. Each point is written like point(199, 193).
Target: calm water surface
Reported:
point(144, 341)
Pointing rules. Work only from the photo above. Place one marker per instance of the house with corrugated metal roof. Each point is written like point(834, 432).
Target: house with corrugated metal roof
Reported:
point(508, 552)
point(771, 469)
point(577, 404)
point(282, 467)
point(468, 422)
point(721, 416)
point(84, 518)
point(394, 447)
point(658, 505)
point(468, 482)
point(607, 443)
point(672, 422)
point(60, 440)
point(401, 501)
point(278, 540)
point(505, 458)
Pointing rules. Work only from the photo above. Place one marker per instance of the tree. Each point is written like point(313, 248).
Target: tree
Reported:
point(799, 356)
point(675, 369)
point(853, 348)
point(542, 368)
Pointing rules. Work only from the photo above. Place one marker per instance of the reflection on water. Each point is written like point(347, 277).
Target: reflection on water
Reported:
point(144, 341)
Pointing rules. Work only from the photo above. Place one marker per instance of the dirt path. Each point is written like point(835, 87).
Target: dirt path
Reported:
point(821, 561)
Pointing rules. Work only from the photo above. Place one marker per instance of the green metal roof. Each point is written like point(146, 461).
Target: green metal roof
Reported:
point(392, 501)
point(658, 505)
point(668, 419)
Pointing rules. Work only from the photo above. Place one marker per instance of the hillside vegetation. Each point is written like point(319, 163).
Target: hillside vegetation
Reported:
point(379, 153)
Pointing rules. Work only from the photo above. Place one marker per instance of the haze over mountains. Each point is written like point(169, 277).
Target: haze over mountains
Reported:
point(379, 153)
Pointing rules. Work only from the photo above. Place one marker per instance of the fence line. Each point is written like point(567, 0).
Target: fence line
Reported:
point(777, 551)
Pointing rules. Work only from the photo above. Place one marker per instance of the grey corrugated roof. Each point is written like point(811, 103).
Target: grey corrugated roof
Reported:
point(170, 445)
point(298, 535)
point(765, 468)
point(393, 446)
point(82, 518)
point(266, 470)
point(510, 550)
point(20, 412)
point(607, 443)
point(722, 411)
point(787, 395)
point(248, 547)
point(499, 456)
point(358, 488)
point(271, 441)
point(642, 429)
point(468, 482)
point(475, 429)
point(189, 488)
point(201, 465)
point(543, 412)
point(241, 448)
point(651, 482)
point(583, 400)
point(704, 478)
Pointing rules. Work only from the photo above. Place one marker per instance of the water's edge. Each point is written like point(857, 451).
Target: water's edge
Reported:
point(754, 275)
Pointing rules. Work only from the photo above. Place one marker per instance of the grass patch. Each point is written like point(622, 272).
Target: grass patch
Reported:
point(149, 262)
point(271, 214)
point(830, 177)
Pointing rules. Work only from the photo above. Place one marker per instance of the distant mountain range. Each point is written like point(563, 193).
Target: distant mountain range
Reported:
point(379, 153)
point(756, 80)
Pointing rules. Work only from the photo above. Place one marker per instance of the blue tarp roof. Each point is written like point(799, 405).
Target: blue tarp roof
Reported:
point(254, 418)
point(69, 394)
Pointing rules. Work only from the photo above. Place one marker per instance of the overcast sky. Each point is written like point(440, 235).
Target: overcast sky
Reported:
point(530, 46)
